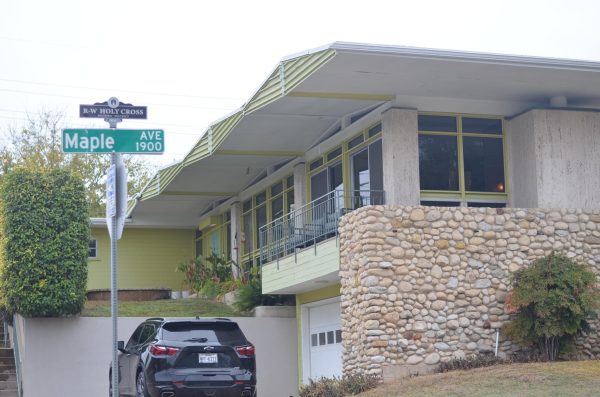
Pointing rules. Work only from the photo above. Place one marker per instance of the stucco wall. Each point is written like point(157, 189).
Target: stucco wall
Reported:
point(568, 144)
point(554, 159)
point(70, 357)
point(400, 156)
point(522, 161)
point(421, 285)
point(147, 258)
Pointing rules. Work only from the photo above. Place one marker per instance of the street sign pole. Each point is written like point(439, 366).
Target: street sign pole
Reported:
point(147, 141)
point(114, 293)
point(113, 283)
point(115, 161)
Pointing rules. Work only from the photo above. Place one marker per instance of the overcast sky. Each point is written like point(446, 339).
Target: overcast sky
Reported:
point(192, 62)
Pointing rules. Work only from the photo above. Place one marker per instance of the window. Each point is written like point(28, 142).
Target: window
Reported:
point(262, 208)
point(227, 237)
point(352, 171)
point(93, 249)
point(247, 229)
point(437, 123)
point(438, 162)
point(367, 176)
point(461, 159)
point(484, 164)
point(261, 219)
point(199, 252)
point(215, 242)
point(434, 203)
point(326, 338)
point(484, 204)
point(356, 141)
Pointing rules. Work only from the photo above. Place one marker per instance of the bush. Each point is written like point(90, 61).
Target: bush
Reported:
point(348, 385)
point(470, 362)
point(324, 387)
point(358, 383)
point(552, 300)
point(205, 275)
point(488, 359)
point(45, 236)
point(250, 293)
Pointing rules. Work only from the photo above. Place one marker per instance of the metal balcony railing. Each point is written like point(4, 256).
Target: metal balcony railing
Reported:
point(312, 223)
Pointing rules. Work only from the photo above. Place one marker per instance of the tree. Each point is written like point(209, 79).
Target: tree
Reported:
point(37, 147)
point(552, 300)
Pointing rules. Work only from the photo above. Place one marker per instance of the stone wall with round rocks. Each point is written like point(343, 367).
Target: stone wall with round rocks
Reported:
point(421, 285)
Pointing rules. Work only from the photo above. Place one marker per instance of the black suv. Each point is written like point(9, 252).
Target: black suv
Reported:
point(187, 358)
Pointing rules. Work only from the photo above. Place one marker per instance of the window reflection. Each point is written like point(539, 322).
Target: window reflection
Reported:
point(484, 164)
point(438, 162)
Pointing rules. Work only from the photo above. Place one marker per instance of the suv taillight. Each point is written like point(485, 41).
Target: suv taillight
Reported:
point(246, 350)
point(163, 350)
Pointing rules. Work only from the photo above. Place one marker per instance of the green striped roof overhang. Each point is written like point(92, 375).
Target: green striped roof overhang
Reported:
point(286, 76)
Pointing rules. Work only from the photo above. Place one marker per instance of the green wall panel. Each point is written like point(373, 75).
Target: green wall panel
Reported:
point(305, 266)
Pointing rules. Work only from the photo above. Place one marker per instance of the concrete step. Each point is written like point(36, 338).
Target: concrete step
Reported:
point(8, 377)
point(7, 362)
point(8, 385)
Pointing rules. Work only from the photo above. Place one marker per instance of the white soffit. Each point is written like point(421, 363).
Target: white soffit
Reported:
point(430, 73)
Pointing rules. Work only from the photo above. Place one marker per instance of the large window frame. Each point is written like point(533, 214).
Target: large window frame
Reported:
point(462, 196)
point(342, 153)
point(220, 232)
point(281, 189)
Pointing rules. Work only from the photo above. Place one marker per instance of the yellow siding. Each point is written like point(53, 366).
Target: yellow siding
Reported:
point(147, 258)
point(318, 295)
point(306, 266)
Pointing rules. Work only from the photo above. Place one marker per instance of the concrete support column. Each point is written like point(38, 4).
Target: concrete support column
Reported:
point(554, 159)
point(400, 154)
point(299, 185)
point(235, 233)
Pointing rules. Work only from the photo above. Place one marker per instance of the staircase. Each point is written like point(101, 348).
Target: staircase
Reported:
point(8, 374)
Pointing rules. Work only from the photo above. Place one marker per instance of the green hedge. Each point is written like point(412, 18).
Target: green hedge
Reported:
point(45, 237)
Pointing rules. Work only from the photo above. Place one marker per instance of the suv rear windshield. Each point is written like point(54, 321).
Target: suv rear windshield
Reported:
point(223, 333)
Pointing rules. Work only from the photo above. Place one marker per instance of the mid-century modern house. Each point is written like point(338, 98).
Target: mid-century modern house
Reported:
point(392, 190)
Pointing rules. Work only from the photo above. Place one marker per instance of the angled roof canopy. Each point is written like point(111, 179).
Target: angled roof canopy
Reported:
point(306, 94)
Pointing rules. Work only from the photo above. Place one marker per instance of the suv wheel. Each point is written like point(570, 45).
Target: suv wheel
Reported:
point(140, 385)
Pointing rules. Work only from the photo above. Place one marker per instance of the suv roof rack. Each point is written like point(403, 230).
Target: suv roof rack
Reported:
point(155, 318)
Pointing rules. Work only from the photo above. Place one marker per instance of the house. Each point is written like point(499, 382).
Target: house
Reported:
point(425, 156)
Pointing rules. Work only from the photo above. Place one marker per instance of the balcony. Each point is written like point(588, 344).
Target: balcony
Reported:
point(315, 222)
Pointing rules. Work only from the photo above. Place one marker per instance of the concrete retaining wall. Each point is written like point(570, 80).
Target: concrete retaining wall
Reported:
point(70, 357)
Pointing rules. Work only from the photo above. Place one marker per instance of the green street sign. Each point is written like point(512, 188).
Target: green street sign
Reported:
point(78, 140)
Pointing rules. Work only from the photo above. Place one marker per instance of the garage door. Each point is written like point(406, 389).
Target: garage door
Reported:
point(325, 341)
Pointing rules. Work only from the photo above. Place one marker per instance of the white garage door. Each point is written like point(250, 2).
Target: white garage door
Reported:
point(325, 341)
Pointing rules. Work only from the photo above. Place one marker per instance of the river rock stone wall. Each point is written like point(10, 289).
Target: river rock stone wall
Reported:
point(421, 285)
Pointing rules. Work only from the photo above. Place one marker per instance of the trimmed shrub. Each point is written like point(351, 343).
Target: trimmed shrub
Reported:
point(45, 236)
point(552, 299)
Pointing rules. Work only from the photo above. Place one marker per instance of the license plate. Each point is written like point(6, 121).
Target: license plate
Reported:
point(207, 358)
